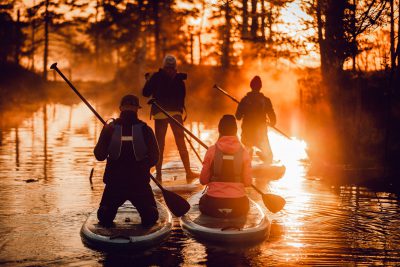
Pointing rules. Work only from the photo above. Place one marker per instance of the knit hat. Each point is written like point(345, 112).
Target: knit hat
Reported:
point(130, 100)
point(227, 125)
point(256, 83)
point(169, 62)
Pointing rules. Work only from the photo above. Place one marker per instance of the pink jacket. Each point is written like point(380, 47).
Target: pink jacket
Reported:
point(227, 144)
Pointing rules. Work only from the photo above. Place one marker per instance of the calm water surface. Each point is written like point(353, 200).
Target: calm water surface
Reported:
point(45, 197)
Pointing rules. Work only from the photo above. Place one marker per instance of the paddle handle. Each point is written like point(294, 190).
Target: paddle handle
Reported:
point(54, 67)
point(235, 100)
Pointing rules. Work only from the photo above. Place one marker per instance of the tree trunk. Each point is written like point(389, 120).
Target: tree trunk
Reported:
point(398, 42)
point(392, 40)
point(203, 10)
point(225, 60)
point(270, 22)
point(191, 48)
point(354, 35)
point(245, 26)
point(263, 19)
point(321, 40)
point(46, 40)
point(156, 18)
point(33, 40)
point(254, 21)
point(96, 37)
point(335, 44)
point(17, 38)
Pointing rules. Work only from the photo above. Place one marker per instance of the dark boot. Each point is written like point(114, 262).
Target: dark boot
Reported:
point(190, 175)
point(158, 173)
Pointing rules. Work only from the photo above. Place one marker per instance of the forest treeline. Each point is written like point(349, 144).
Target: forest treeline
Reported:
point(349, 92)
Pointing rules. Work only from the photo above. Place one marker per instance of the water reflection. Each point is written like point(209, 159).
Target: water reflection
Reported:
point(46, 195)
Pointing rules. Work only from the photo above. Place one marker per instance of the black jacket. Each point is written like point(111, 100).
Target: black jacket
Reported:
point(168, 92)
point(126, 170)
point(256, 110)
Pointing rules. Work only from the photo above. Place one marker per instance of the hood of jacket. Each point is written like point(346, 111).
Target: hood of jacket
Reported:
point(228, 144)
point(254, 94)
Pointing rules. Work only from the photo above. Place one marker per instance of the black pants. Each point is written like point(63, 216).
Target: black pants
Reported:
point(224, 207)
point(161, 127)
point(114, 196)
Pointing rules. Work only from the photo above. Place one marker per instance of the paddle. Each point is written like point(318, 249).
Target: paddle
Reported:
point(237, 101)
point(176, 204)
point(274, 203)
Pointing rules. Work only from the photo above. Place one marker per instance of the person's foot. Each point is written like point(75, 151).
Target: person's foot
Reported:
point(190, 176)
point(107, 224)
point(148, 225)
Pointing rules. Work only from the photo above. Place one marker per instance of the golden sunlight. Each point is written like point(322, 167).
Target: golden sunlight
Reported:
point(285, 150)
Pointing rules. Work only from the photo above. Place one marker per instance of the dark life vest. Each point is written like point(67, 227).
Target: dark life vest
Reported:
point(136, 139)
point(227, 167)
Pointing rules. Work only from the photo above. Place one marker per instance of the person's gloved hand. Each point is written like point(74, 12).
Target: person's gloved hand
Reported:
point(108, 129)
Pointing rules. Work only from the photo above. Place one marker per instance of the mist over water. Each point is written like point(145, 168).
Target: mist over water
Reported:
point(46, 195)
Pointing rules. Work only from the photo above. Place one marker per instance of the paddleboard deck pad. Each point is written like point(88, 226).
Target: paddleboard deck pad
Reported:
point(254, 227)
point(127, 232)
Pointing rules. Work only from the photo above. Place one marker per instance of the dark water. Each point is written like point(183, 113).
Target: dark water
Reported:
point(45, 196)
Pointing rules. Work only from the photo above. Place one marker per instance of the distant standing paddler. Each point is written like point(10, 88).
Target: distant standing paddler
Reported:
point(167, 87)
point(130, 147)
point(257, 113)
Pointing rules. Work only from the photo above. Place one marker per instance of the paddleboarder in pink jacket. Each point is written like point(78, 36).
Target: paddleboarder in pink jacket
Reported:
point(226, 171)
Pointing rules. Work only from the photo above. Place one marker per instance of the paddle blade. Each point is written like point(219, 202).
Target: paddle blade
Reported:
point(175, 203)
point(274, 203)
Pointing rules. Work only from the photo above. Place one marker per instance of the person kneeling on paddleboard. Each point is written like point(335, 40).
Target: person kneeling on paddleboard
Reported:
point(130, 147)
point(226, 171)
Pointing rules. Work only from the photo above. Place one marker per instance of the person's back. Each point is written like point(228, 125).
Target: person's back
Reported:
point(131, 150)
point(256, 110)
point(168, 90)
point(226, 171)
point(257, 113)
point(121, 169)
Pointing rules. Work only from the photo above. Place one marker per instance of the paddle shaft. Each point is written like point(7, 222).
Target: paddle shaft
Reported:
point(235, 100)
point(54, 67)
point(153, 102)
point(192, 146)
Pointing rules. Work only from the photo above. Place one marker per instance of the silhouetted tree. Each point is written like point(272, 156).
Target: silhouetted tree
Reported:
point(11, 34)
point(48, 18)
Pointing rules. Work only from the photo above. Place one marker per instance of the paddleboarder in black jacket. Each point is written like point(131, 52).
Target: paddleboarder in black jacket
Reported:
point(167, 87)
point(257, 113)
point(130, 148)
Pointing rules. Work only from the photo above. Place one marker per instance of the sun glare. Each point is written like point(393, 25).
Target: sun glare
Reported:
point(286, 150)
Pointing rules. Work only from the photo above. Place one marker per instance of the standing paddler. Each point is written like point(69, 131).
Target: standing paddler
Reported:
point(257, 113)
point(167, 87)
point(130, 147)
